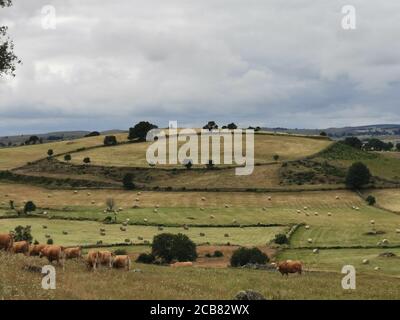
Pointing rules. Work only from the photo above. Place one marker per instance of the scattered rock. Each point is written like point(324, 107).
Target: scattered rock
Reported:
point(249, 295)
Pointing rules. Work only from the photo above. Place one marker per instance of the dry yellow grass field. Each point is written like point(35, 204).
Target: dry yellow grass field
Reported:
point(265, 145)
point(386, 198)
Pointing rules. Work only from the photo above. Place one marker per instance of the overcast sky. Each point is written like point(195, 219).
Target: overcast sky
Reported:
point(109, 64)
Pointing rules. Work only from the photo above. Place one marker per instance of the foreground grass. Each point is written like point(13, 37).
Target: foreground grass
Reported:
point(88, 232)
point(155, 282)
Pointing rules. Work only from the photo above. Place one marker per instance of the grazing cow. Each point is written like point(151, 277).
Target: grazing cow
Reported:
point(53, 253)
point(93, 259)
point(182, 264)
point(106, 258)
point(21, 247)
point(122, 262)
point(71, 253)
point(34, 250)
point(290, 266)
point(6, 241)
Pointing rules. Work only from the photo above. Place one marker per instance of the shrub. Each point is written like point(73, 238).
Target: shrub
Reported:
point(146, 258)
point(50, 153)
point(276, 157)
point(93, 134)
point(110, 141)
point(29, 207)
point(23, 234)
point(127, 181)
point(120, 252)
point(243, 256)
point(281, 239)
point(371, 200)
point(67, 157)
point(358, 175)
point(50, 241)
point(35, 242)
point(218, 254)
point(86, 160)
point(170, 247)
point(188, 164)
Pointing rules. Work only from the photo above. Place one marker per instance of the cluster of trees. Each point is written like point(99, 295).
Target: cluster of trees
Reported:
point(140, 130)
point(370, 145)
point(33, 140)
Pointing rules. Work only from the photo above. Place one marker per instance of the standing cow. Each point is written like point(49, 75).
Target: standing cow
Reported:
point(21, 247)
point(53, 253)
point(72, 253)
point(6, 241)
point(122, 261)
point(290, 266)
point(34, 249)
point(93, 259)
point(106, 258)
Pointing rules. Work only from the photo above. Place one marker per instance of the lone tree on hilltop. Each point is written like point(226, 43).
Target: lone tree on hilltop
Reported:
point(50, 153)
point(8, 60)
point(140, 130)
point(67, 157)
point(358, 175)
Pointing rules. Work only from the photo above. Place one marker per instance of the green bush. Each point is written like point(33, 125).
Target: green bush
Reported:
point(218, 254)
point(23, 234)
point(29, 207)
point(110, 141)
point(243, 256)
point(371, 200)
point(169, 247)
point(281, 239)
point(50, 241)
point(127, 181)
point(145, 258)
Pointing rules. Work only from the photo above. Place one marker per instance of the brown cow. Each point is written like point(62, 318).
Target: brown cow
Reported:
point(21, 247)
point(106, 258)
point(290, 266)
point(71, 253)
point(6, 241)
point(93, 259)
point(34, 250)
point(182, 264)
point(53, 253)
point(122, 262)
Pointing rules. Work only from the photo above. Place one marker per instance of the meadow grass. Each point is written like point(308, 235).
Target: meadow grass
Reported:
point(156, 282)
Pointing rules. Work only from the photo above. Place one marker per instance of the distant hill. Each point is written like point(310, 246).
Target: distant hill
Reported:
point(360, 131)
point(50, 136)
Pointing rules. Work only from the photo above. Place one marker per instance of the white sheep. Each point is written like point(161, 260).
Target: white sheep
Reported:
point(157, 205)
point(203, 199)
point(212, 216)
point(269, 198)
point(397, 230)
point(145, 220)
point(298, 211)
point(264, 209)
point(377, 268)
point(329, 214)
point(385, 241)
point(337, 197)
point(307, 214)
point(201, 209)
point(137, 199)
point(76, 191)
point(93, 202)
point(139, 193)
point(120, 209)
point(305, 208)
point(365, 261)
point(315, 251)
point(315, 213)
point(155, 210)
point(309, 240)
point(88, 193)
point(372, 222)
point(307, 227)
point(226, 206)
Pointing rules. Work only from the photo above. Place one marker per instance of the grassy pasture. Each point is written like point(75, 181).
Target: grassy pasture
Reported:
point(18, 156)
point(334, 259)
point(154, 282)
point(266, 146)
point(88, 232)
point(386, 198)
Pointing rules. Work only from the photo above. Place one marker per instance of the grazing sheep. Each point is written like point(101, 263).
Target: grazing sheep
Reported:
point(140, 238)
point(145, 220)
point(127, 240)
point(309, 240)
point(298, 211)
point(104, 211)
point(102, 230)
point(307, 227)
point(47, 236)
point(203, 199)
point(385, 241)
point(135, 206)
point(307, 214)
point(202, 234)
point(137, 199)
point(76, 191)
point(234, 221)
point(120, 209)
point(157, 206)
point(315, 251)
point(397, 230)
point(226, 206)
point(226, 235)
point(264, 209)
point(185, 227)
point(155, 210)
point(365, 261)
point(305, 208)
point(139, 193)
point(315, 213)
point(329, 214)
point(65, 232)
point(377, 268)
point(269, 198)
point(201, 209)
point(122, 229)
point(337, 197)
point(372, 222)
point(88, 193)
point(49, 196)
point(45, 212)
point(212, 216)
point(160, 228)
point(124, 224)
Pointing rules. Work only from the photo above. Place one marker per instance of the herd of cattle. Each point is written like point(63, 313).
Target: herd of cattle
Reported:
point(94, 258)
